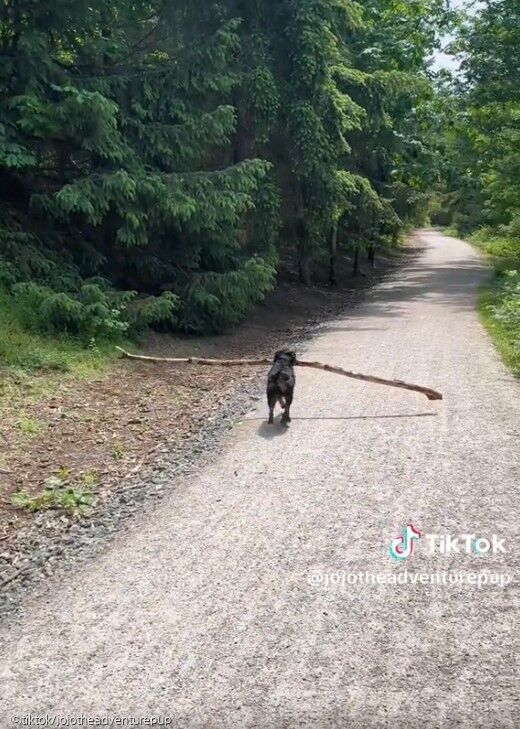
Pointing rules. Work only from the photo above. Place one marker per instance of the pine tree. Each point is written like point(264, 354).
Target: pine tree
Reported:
point(176, 150)
point(126, 141)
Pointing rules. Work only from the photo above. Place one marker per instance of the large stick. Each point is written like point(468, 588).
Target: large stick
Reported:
point(430, 394)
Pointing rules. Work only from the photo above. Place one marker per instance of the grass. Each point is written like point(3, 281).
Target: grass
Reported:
point(505, 339)
point(33, 365)
point(20, 349)
point(500, 301)
point(451, 232)
point(29, 426)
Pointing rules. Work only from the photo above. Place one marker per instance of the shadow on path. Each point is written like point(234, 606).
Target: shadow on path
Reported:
point(279, 428)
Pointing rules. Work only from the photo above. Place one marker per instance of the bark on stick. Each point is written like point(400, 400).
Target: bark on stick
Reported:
point(427, 391)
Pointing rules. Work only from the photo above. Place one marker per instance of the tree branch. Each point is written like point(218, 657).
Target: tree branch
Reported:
point(428, 392)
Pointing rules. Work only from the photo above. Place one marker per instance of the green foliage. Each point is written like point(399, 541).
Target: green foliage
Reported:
point(481, 139)
point(156, 157)
point(57, 494)
point(507, 310)
point(157, 312)
point(218, 301)
point(25, 351)
point(500, 305)
point(29, 426)
point(504, 249)
point(481, 143)
point(92, 313)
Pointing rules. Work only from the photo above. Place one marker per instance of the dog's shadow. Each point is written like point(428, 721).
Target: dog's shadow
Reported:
point(273, 431)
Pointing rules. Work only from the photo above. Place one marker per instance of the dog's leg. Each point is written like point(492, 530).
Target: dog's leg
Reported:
point(286, 417)
point(271, 401)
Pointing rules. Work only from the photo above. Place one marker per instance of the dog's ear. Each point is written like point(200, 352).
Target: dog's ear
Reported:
point(278, 354)
point(292, 355)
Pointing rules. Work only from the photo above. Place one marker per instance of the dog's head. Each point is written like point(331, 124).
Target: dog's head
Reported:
point(285, 355)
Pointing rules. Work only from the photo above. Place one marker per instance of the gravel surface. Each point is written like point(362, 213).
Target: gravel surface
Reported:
point(133, 426)
point(215, 606)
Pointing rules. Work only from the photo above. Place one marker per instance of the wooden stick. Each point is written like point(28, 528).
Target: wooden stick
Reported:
point(16, 574)
point(428, 392)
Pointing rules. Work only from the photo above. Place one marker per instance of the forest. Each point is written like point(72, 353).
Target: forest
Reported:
point(479, 185)
point(160, 159)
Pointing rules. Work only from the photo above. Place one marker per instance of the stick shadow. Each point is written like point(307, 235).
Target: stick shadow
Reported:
point(280, 428)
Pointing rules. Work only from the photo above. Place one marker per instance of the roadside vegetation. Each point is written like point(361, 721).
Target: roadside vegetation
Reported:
point(159, 161)
point(500, 303)
point(479, 141)
point(23, 350)
point(34, 365)
point(59, 493)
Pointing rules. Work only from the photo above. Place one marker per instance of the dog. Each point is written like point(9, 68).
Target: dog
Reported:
point(280, 384)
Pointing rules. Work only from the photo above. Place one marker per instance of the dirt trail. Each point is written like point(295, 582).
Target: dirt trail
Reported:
point(213, 609)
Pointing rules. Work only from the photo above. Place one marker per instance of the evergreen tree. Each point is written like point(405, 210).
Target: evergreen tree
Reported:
point(158, 157)
point(482, 122)
point(123, 139)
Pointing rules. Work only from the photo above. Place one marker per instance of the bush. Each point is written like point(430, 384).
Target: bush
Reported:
point(217, 301)
point(501, 303)
point(497, 243)
point(84, 314)
point(507, 309)
point(156, 312)
point(53, 300)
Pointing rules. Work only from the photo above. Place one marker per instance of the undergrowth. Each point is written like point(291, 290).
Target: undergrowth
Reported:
point(34, 366)
point(21, 349)
point(500, 301)
point(58, 493)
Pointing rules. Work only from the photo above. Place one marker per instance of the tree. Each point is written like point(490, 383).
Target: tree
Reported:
point(118, 128)
point(482, 137)
point(169, 153)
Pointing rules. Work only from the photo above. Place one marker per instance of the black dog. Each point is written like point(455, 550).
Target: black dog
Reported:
point(280, 384)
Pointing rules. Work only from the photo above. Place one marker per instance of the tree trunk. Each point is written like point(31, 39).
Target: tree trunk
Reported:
point(302, 243)
point(372, 256)
point(242, 140)
point(333, 255)
point(355, 266)
point(304, 268)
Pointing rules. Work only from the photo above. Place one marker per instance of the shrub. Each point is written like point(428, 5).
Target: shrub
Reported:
point(217, 301)
point(497, 244)
point(156, 312)
point(51, 298)
point(57, 494)
point(507, 309)
point(90, 313)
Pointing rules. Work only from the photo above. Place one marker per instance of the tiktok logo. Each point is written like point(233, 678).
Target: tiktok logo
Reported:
point(402, 547)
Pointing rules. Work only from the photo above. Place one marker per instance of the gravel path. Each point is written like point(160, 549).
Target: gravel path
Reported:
point(223, 605)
